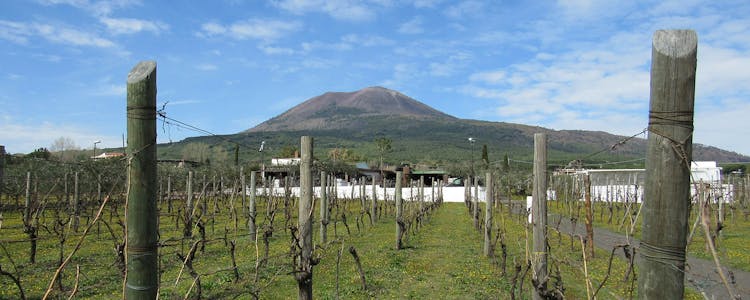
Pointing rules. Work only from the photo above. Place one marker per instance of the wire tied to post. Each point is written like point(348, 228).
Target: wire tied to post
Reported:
point(662, 254)
point(680, 118)
point(141, 112)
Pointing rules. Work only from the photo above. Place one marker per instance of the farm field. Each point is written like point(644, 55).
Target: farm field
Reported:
point(442, 257)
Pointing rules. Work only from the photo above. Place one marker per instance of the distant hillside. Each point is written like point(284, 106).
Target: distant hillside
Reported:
point(352, 120)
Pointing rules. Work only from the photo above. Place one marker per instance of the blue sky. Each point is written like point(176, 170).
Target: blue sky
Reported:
point(226, 66)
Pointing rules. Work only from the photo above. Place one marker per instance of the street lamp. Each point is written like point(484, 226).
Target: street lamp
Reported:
point(471, 141)
point(96, 142)
point(262, 163)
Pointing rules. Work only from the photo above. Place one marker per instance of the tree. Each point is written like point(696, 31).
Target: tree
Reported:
point(41, 153)
point(485, 157)
point(198, 152)
point(506, 163)
point(384, 146)
point(288, 151)
point(64, 147)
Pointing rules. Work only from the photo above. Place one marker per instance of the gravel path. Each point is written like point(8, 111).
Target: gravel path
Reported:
point(701, 273)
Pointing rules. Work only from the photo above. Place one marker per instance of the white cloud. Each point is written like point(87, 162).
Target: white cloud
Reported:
point(260, 29)
point(131, 26)
point(96, 8)
point(490, 77)
point(367, 40)
point(20, 32)
point(413, 26)
point(110, 90)
point(426, 3)
point(347, 10)
point(464, 9)
point(273, 50)
point(24, 138)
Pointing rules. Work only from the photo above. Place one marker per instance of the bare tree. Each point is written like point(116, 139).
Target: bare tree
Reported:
point(64, 147)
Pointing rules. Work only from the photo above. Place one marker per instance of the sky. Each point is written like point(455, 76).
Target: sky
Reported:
point(227, 65)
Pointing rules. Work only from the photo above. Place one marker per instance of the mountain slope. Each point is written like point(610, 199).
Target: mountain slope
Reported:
point(352, 120)
point(334, 110)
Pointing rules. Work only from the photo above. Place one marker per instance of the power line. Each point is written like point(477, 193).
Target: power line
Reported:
point(161, 113)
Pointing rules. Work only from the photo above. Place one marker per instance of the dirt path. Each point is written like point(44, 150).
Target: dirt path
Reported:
point(701, 273)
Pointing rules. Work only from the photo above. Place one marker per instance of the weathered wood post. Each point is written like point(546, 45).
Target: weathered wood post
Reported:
point(187, 231)
point(142, 280)
point(76, 203)
point(589, 217)
point(467, 194)
point(374, 203)
point(304, 272)
point(475, 204)
point(323, 208)
point(489, 204)
point(169, 193)
point(421, 194)
point(539, 214)
point(251, 208)
point(400, 225)
point(28, 226)
point(667, 190)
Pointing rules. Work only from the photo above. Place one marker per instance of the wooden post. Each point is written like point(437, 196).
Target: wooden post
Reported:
point(374, 203)
point(187, 231)
point(304, 272)
point(589, 218)
point(323, 208)
point(489, 203)
point(475, 204)
point(29, 227)
point(539, 212)
point(76, 203)
point(400, 226)
point(669, 152)
point(251, 208)
point(467, 193)
point(169, 194)
point(142, 280)
point(421, 194)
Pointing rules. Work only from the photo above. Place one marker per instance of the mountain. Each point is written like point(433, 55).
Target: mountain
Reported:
point(335, 110)
point(421, 134)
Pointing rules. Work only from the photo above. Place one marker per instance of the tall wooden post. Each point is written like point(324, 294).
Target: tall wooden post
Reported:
point(304, 272)
point(323, 208)
point(669, 152)
point(28, 226)
point(187, 231)
point(76, 203)
point(142, 280)
point(169, 194)
point(475, 203)
point(589, 217)
point(400, 225)
point(251, 208)
point(539, 212)
point(467, 193)
point(489, 203)
point(374, 203)
point(421, 194)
